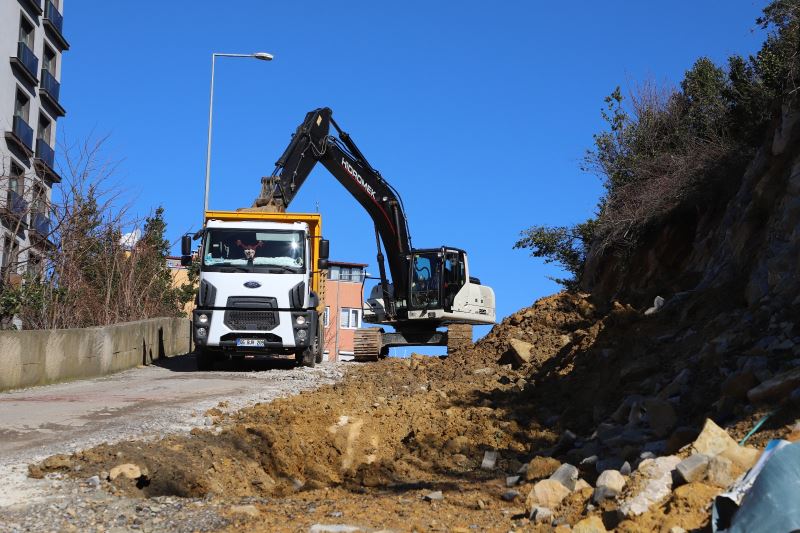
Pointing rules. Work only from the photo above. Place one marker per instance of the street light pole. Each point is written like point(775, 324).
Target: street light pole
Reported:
point(263, 56)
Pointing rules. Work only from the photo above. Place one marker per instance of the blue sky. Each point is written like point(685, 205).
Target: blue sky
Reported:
point(478, 113)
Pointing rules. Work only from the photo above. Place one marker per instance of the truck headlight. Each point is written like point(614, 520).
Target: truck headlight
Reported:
point(300, 320)
point(302, 334)
point(201, 332)
point(202, 318)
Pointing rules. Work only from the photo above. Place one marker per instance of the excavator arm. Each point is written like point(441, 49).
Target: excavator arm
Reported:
point(312, 143)
point(436, 292)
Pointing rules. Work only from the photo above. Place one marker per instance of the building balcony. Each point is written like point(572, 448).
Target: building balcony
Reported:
point(45, 161)
point(40, 226)
point(45, 153)
point(26, 63)
point(33, 5)
point(49, 91)
point(54, 24)
point(15, 206)
point(21, 135)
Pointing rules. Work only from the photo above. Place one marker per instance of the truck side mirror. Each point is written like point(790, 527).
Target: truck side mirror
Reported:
point(324, 248)
point(186, 245)
point(322, 264)
point(186, 250)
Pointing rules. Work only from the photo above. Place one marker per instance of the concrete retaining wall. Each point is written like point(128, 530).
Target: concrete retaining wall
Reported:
point(37, 357)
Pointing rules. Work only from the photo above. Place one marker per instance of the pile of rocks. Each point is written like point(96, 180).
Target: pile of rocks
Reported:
point(602, 496)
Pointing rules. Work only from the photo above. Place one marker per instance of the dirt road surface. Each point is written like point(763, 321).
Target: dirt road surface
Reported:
point(139, 404)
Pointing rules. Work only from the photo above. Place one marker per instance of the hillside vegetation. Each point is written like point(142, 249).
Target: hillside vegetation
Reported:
point(670, 151)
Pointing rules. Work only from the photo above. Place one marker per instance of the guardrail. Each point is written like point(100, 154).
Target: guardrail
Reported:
point(50, 84)
point(28, 58)
point(23, 131)
point(53, 15)
point(38, 357)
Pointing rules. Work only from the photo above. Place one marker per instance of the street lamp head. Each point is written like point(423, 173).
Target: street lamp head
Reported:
point(263, 56)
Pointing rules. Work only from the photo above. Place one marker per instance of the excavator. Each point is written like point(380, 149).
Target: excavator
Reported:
point(430, 288)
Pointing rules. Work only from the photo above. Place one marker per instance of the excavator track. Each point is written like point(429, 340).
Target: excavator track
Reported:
point(368, 344)
point(459, 336)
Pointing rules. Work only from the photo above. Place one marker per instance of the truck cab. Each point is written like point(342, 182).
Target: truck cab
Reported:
point(259, 290)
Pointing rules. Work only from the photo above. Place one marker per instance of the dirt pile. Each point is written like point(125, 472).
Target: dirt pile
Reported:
point(388, 423)
point(547, 327)
point(607, 388)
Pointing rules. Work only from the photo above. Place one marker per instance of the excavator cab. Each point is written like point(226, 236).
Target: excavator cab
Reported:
point(426, 279)
point(437, 276)
point(441, 289)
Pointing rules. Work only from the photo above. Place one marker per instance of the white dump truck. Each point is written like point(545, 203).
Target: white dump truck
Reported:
point(260, 287)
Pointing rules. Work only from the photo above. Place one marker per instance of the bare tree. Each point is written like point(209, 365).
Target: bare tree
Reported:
point(92, 271)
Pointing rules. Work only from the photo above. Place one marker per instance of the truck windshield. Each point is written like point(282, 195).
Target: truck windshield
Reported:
point(254, 250)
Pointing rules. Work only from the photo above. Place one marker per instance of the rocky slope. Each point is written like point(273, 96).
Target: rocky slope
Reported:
point(742, 237)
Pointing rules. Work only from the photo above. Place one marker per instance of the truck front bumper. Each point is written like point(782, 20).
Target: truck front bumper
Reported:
point(297, 330)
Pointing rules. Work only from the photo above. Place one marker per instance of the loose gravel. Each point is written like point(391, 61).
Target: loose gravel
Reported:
point(139, 404)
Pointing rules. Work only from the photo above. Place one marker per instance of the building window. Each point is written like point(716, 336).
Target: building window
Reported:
point(22, 106)
point(49, 62)
point(346, 273)
point(349, 318)
point(356, 274)
point(326, 317)
point(39, 200)
point(16, 179)
point(26, 32)
point(34, 265)
point(45, 129)
point(4, 253)
point(9, 253)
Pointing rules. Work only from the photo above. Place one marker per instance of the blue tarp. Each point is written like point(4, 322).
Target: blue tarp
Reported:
point(772, 504)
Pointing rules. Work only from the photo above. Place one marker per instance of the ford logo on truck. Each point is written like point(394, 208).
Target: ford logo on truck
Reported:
point(252, 284)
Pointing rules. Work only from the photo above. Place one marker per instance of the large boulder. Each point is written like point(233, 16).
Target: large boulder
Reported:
point(521, 351)
point(714, 441)
point(546, 493)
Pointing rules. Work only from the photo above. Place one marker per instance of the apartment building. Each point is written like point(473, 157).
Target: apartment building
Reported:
point(344, 297)
point(31, 45)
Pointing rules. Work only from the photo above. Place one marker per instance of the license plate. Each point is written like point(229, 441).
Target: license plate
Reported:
point(250, 343)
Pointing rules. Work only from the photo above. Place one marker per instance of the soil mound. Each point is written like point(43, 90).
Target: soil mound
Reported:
point(606, 385)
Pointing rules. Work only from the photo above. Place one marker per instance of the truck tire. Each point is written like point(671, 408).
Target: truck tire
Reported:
point(318, 349)
point(306, 357)
point(205, 360)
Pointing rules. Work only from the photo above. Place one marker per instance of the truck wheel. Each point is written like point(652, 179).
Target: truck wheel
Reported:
point(306, 357)
point(319, 354)
point(205, 360)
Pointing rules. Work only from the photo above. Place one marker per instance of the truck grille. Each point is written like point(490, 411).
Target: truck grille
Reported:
point(249, 314)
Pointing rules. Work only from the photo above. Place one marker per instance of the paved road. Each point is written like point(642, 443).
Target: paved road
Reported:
point(143, 402)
